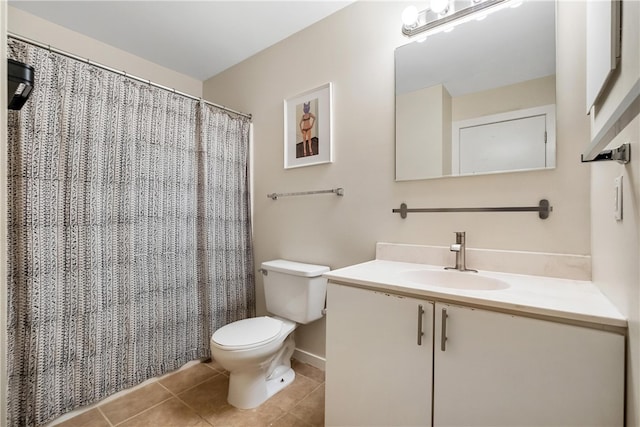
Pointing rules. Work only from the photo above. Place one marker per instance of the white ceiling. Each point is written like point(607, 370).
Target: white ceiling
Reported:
point(196, 38)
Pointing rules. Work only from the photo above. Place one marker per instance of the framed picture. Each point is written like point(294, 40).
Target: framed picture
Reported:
point(307, 128)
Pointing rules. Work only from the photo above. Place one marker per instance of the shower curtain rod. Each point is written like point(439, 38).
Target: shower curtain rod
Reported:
point(123, 73)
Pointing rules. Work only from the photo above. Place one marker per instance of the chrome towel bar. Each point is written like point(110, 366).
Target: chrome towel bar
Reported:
point(543, 209)
point(336, 191)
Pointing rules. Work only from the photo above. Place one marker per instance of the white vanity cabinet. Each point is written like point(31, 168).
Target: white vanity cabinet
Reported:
point(498, 369)
point(493, 369)
point(379, 373)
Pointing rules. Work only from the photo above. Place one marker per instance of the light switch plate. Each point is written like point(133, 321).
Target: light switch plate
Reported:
point(618, 198)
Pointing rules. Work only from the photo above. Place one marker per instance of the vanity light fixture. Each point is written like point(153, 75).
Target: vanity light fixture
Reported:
point(440, 7)
point(435, 18)
point(410, 16)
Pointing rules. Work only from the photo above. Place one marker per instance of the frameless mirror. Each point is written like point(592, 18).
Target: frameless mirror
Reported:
point(480, 98)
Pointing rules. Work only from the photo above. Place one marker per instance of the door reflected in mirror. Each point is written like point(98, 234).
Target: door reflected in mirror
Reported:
point(479, 99)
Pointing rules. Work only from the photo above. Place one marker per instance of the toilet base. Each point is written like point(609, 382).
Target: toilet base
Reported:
point(248, 390)
point(279, 382)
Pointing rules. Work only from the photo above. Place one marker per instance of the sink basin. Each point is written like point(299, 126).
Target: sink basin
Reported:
point(454, 280)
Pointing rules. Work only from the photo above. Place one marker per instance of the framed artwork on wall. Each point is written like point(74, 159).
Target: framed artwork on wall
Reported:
point(307, 128)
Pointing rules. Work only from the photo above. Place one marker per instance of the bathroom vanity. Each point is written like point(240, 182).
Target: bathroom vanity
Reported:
point(412, 344)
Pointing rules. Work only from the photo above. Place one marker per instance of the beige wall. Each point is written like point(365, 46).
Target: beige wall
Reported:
point(421, 124)
point(616, 251)
point(354, 49)
point(37, 29)
point(529, 94)
point(616, 244)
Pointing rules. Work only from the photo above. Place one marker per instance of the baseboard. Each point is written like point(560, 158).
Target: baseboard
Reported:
point(309, 358)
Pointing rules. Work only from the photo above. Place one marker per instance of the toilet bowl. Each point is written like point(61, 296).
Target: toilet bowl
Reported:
point(257, 351)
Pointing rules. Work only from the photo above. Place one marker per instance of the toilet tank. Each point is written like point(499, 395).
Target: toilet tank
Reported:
point(294, 290)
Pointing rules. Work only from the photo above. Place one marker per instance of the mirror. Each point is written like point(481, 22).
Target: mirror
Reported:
point(480, 98)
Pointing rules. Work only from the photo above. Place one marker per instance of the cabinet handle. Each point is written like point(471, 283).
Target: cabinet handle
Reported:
point(443, 335)
point(420, 332)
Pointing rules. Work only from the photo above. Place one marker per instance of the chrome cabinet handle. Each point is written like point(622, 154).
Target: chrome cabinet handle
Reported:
point(420, 332)
point(443, 335)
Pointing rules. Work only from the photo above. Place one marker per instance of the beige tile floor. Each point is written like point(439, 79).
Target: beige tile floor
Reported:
point(197, 396)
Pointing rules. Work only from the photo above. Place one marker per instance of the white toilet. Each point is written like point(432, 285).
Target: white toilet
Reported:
point(257, 352)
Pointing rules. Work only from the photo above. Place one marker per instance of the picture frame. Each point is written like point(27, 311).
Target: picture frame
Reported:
point(308, 123)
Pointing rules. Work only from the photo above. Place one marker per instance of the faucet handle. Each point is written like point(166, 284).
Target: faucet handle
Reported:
point(456, 247)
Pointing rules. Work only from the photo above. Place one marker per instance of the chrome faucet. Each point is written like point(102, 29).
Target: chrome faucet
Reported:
point(459, 247)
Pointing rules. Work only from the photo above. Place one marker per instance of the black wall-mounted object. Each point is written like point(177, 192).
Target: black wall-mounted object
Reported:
point(622, 154)
point(20, 83)
point(544, 208)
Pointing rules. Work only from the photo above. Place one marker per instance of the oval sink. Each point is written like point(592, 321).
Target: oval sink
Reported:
point(454, 280)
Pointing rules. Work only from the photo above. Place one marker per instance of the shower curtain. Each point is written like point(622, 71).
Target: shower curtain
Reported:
point(129, 234)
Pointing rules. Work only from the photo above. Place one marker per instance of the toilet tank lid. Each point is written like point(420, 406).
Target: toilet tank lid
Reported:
point(295, 268)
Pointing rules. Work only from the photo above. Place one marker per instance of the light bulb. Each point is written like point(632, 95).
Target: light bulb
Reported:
point(439, 6)
point(410, 16)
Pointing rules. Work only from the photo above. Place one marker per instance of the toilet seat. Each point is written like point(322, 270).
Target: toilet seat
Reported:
point(247, 333)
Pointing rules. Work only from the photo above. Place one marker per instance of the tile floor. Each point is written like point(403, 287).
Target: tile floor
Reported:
point(197, 396)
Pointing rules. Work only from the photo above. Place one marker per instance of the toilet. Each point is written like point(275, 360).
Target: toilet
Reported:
point(257, 351)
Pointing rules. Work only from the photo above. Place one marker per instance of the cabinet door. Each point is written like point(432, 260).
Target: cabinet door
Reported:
point(503, 370)
point(376, 372)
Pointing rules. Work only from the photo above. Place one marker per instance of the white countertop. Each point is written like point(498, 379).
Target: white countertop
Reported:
point(574, 300)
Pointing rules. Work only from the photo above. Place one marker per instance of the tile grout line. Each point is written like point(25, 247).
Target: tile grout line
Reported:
point(185, 403)
point(165, 400)
point(309, 378)
point(211, 367)
point(216, 372)
point(297, 418)
point(194, 410)
point(303, 399)
point(194, 385)
point(143, 411)
point(167, 388)
point(104, 416)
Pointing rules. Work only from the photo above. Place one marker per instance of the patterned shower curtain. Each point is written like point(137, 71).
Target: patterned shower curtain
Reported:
point(129, 234)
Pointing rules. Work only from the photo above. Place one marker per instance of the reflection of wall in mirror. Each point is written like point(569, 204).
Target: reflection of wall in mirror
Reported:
point(519, 96)
point(424, 123)
point(517, 140)
point(424, 120)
